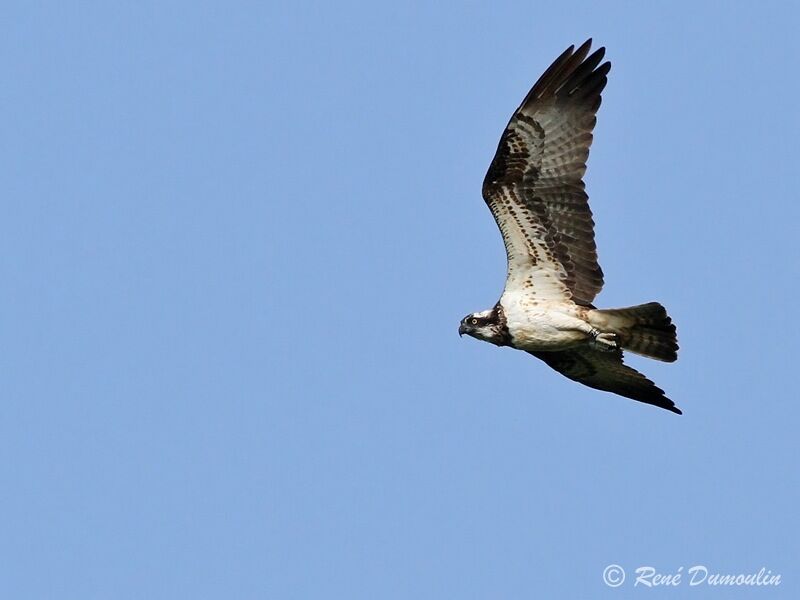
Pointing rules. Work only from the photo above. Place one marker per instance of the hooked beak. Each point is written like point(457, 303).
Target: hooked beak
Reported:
point(462, 329)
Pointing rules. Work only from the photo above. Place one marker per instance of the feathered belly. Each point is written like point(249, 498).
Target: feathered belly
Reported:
point(546, 330)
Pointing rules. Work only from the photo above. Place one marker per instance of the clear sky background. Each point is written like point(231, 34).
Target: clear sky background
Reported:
point(237, 240)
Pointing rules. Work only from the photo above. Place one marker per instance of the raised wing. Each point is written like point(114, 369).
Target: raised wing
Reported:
point(606, 371)
point(534, 185)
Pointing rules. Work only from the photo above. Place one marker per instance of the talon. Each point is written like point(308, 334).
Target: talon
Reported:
point(604, 341)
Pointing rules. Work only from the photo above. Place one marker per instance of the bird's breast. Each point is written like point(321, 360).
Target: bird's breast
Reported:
point(543, 326)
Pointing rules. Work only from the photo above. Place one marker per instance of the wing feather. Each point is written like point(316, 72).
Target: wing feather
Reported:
point(534, 186)
point(606, 371)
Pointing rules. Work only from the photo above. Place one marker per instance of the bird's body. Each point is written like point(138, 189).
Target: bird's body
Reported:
point(535, 191)
point(543, 325)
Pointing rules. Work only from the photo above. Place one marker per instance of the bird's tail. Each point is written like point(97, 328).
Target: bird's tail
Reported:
point(645, 329)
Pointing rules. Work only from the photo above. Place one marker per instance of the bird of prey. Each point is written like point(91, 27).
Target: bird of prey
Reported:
point(535, 190)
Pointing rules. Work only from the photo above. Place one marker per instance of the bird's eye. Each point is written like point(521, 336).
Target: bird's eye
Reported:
point(473, 321)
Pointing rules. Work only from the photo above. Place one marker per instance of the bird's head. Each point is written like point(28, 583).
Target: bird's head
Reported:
point(488, 325)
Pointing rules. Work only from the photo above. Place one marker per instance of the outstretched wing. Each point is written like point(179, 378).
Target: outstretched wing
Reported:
point(606, 371)
point(534, 185)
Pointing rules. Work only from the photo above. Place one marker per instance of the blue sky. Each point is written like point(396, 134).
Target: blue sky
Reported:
point(237, 241)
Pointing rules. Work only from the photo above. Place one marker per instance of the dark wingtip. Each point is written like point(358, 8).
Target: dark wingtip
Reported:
point(575, 73)
point(676, 410)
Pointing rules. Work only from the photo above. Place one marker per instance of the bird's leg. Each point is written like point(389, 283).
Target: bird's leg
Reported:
point(605, 342)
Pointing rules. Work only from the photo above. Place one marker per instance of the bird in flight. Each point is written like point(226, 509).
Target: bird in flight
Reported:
point(536, 193)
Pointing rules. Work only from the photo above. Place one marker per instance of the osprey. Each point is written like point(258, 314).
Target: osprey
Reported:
point(535, 191)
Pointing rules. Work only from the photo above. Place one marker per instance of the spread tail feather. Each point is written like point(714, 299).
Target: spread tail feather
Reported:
point(645, 329)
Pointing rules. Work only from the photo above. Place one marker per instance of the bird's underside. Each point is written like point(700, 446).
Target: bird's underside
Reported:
point(535, 191)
